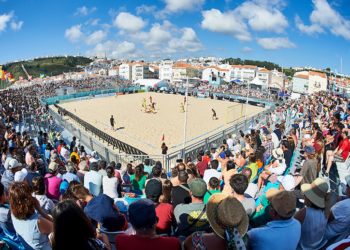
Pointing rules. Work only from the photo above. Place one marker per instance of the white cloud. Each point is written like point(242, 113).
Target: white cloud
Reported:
point(96, 37)
point(187, 43)
point(84, 11)
point(117, 50)
point(246, 49)
point(262, 16)
point(95, 22)
point(74, 34)
point(225, 23)
point(325, 16)
point(105, 26)
point(174, 6)
point(114, 13)
point(145, 9)
point(16, 26)
point(129, 22)
point(4, 19)
point(275, 43)
point(313, 29)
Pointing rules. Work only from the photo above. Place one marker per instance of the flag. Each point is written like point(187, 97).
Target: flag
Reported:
point(29, 77)
point(21, 78)
point(42, 75)
point(95, 121)
point(12, 80)
point(1, 73)
point(163, 138)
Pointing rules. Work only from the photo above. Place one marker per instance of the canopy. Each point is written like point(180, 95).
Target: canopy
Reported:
point(257, 81)
point(236, 80)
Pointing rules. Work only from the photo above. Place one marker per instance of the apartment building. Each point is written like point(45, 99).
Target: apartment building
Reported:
point(114, 71)
point(140, 71)
point(165, 70)
point(125, 71)
point(181, 71)
point(153, 72)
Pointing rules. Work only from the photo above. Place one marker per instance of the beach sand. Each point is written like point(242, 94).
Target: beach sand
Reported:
point(145, 131)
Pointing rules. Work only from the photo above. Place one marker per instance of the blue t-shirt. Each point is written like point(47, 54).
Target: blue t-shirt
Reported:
point(69, 177)
point(276, 234)
point(101, 209)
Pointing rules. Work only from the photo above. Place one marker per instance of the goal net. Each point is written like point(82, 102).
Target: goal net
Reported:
point(234, 112)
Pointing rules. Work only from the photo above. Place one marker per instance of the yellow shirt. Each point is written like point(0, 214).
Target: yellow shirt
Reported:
point(76, 157)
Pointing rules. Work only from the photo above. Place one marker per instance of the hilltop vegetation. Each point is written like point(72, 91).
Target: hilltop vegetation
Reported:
point(47, 66)
point(239, 61)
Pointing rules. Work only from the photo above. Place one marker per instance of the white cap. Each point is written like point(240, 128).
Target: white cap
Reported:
point(14, 164)
point(21, 175)
point(93, 154)
point(287, 181)
point(172, 165)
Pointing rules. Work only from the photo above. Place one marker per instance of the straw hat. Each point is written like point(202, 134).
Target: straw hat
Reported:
point(278, 153)
point(316, 192)
point(225, 211)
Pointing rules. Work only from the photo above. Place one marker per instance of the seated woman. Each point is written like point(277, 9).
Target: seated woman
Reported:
point(253, 165)
point(39, 188)
point(32, 228)
point(138, 179)
point(277, 167)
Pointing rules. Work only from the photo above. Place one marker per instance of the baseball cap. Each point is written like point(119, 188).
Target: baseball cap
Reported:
point(14, 164)
point(227, 153)
point(93, 154)
point(53, 166)
point(21, 175)
point(198, 187)
point(287, 182)
point(154, 187)
point(284, 203)
point(142, 214)
point(309, 149)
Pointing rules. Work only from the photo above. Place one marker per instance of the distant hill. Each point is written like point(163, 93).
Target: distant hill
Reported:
point(47, 66)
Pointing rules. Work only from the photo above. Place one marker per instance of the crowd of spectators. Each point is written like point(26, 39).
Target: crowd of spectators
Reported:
point(241, 194)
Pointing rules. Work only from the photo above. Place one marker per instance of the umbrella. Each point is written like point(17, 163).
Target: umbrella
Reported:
point(202, 92)
point(156, 84)
point(236, 80)
point(205, 81)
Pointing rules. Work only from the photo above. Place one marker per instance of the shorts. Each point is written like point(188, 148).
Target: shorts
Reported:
point(338, 158)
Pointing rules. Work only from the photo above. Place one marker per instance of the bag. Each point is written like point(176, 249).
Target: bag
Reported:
point(196, 220)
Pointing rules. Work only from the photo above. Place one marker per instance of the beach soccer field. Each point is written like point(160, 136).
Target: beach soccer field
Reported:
point(145, 131)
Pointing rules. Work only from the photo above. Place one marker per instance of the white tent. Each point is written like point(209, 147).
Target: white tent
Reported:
point(151, 82)
point(256, 81)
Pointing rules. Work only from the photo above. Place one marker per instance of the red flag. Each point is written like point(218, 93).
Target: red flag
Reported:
point(163, 138)
point(29, 77)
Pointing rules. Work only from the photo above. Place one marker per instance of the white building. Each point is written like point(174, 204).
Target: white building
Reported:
point(265, 76)
point(244, 73)
point(140, 71)
point(114, 71)
point(165, 70)
point(125, 71)
point(153, 72)
point(101, 55)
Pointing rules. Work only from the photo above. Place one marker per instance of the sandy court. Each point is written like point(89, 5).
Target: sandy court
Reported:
point(145, 131)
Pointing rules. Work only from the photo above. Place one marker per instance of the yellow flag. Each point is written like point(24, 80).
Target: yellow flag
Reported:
point(96, 121)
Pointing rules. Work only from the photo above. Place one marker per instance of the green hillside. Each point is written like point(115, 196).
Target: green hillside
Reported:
point(54, 66)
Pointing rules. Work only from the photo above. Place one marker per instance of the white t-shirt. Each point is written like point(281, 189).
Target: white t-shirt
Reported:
point(230, 143)
point(213, 158)
point(252, 190)
point(280, 169)
point(91, 160)
point(110, 186)
point(341, 213)
point(65, 154)
point(209, 173)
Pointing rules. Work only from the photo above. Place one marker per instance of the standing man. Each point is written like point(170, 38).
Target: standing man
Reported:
point(112, 123)
point(150, 99)
point(214, 114)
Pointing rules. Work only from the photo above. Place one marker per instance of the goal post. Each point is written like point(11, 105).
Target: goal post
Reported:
point(234, 112)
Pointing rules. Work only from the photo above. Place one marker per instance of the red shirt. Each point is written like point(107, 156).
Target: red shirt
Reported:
point(206, 159)
point(202, 166)
point(345, 146)
point(127, 242)
point(165, 213)
point(59, 149)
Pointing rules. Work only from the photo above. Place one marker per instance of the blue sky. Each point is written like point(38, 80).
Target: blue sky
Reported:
point(291, 33)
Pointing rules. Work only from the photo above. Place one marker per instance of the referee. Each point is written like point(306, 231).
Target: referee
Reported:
point(112, 122)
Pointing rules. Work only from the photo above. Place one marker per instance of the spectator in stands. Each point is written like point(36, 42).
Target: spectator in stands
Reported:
point(40, 139)
point(69, 176)
point(213, 172)
point(31, 172)
point(156, 172)
point(313, 217)
point(261, 215)
point(229, 222)
point(242, 140)
point(83, 169)
point(102, 165)
point(73, 230)
point(110, 184)
point(180, 194)
point(340, 154)
point(339, 217)
point(230, 141)
point(138, 179)
point(93, 180)
point(207, 157)
point(192, 217)
point(278, 132)
point(39, 189)
point(75, 153)
point(164, 211)
point(201, 165)
point(223, 160)
point(287, 153)
point(286, 182)
point(239, 161)
point(253, 165)
point(101, 209)
point(252, 188)
point(92, 158)
point(276, 167)
point(33, 228)
point(147, 167)
point(52, 182)
point(72, 144)
point(213, 188)
point(9, 175)
point(65, 152)
point(284, 230)
point(143, 218)
point(237, 147)
point(309, 168)
point(269, 146)
point(167, 189)
point(68, 194)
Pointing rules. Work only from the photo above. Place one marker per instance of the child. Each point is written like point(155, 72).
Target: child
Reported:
point(39, 188)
